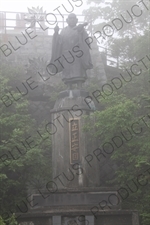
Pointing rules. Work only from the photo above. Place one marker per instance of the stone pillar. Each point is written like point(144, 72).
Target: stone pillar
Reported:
point(70, 145)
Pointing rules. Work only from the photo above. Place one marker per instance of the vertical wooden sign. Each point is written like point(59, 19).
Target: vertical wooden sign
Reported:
point(74, 130)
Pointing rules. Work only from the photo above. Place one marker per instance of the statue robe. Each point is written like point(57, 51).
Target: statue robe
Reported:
point(71, 55)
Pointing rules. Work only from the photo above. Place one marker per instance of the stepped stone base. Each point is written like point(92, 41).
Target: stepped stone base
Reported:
point(78, 207)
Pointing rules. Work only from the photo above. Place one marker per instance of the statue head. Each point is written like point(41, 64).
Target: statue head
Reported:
point(72, 20)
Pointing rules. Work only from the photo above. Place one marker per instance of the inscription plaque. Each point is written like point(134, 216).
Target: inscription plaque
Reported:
point(74, 130)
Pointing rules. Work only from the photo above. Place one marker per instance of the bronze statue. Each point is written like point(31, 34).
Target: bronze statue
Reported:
point(70, 53)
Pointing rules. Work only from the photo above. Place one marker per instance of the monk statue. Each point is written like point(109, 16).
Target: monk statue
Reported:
point(70, 53)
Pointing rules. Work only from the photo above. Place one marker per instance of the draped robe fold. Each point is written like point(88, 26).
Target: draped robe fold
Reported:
point(71, 55)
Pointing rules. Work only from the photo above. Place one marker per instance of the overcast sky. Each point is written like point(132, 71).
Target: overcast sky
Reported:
point(48, 5)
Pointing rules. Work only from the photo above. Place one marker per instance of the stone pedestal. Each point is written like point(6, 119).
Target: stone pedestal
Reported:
point(70, 144)
point(79, 217)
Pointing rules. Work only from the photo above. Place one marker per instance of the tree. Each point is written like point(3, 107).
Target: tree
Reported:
point(116, 114)
point(24, 153)
point(121, 41)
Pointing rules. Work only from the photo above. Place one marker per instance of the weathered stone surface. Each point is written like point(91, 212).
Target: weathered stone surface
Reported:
point(71, 106)
point(77, 199)
point(78, 217)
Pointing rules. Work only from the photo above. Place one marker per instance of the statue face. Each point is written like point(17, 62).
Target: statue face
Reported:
point(72, 20)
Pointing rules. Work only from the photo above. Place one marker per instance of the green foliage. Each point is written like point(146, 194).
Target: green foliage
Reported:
point(10, 221)
point(117, 117)
point(128, 105)
point(1, 221)
point(25, 162)
point(122, 44)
